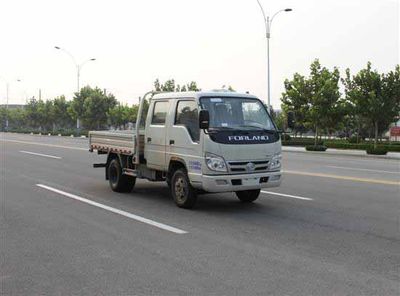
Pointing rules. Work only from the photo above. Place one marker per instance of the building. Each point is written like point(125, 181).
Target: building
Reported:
point(394, 132)
point(13, 106)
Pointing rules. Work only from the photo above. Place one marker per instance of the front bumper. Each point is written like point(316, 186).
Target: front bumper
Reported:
point(230, 183)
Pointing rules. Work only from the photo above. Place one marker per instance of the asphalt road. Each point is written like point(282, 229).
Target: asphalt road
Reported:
point(334, 231)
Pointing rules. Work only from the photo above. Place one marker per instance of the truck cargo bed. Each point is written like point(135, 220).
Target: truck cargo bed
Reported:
point(115, 141)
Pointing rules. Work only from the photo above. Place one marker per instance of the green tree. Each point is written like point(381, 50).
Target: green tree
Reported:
point(76, 108)
point(130, 114)
point(280, 120)
point(334, 121)
point(374, 97)
point(16, 118)
point(33, 115)
point(296, 98)
point(96, 106)
point(120, 115)
point(167, 86)
point(316, 99)
point(39, 114)
point(47, 116)
point(115, 115)
point(171, 86)
point(192, 86)
point(62, 118)
point(91, 106)
point(3, 117)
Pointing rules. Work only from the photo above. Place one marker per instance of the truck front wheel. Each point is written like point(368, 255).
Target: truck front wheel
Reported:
point(248, 195)
point(118, 181)
point(181, 190)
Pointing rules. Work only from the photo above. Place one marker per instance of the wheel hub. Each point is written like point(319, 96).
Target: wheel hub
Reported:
point(180, 189)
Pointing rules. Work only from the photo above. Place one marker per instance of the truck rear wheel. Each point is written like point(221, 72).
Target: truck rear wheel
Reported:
point(181, 190)
point(248, 196)
point(118, 181)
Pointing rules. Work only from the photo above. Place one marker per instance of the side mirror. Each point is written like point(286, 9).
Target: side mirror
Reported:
point(204, 119)
point(290, 120)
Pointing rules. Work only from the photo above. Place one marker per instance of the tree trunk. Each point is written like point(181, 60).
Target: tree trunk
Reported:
point(316, 135)
point(376, 134)
point(369, 135)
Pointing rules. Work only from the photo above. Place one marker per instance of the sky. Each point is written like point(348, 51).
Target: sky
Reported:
point(212, 42)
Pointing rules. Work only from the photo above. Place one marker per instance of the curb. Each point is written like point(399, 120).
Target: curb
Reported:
point(327, 152)
point(83, 137)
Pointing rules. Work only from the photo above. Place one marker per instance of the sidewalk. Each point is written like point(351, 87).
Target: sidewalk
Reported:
point(346, 152)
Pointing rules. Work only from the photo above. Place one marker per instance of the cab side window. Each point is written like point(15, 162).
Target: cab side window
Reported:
point(159, 113)
point(187, 115)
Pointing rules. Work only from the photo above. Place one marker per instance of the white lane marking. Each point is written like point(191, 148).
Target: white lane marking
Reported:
point(114, 210)
point(47, 145)
point(348, 178)
point(347, 157)
point(287, 195)
point(40, 154)
point(366, 170)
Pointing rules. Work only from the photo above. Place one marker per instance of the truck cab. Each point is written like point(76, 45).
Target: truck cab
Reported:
point(203, 142)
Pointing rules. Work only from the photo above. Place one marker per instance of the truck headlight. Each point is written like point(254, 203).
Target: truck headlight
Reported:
point(275, 162)
point(215, 163)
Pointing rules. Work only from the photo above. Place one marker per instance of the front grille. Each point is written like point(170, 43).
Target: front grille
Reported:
point(243, 166)
point(264, 168)
point(237, 169)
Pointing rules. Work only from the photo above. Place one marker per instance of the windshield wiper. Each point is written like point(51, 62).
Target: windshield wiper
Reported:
point(221, 128)
point(260, 128)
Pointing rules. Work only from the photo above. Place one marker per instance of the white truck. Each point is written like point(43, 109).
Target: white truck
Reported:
point(198, 142)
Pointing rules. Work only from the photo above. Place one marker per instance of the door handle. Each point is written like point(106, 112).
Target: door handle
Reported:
point(148, 140)
point(171, 142)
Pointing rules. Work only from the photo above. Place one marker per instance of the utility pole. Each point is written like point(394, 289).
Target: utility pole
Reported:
point(268, 23)
point(78, 73)
point(7, 98)
point(7, 90)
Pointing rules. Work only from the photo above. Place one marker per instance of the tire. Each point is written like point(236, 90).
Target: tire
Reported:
point(248, 196)
point(118, 181)
point(181, 190)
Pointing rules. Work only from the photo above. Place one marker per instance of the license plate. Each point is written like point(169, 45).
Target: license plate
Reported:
point(250, 181)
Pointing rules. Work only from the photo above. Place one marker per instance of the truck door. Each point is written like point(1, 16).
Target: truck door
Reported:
point(155, 135)
point(183, 137)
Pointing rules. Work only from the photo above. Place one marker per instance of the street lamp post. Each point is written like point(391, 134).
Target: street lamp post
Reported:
point(78, 72)
point(268, 23)
point(7, 98)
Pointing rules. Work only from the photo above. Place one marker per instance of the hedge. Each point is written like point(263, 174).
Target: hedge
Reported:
point(341, 144)
point(376, 151)
point(286, 137)
point(362, 146)
point(62, 132)
point(301, 142)
point(316, 148)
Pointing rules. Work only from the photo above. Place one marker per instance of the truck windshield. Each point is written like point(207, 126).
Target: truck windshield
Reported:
point(237, 113)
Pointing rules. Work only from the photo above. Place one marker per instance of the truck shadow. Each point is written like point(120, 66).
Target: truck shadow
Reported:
point(215, 202)
point(228, 203)
point(263, 211)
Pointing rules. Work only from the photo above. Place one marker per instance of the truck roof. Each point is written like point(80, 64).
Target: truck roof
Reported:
point(198, 94)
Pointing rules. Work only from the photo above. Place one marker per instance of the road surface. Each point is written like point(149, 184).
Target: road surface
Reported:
point(332, 228)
